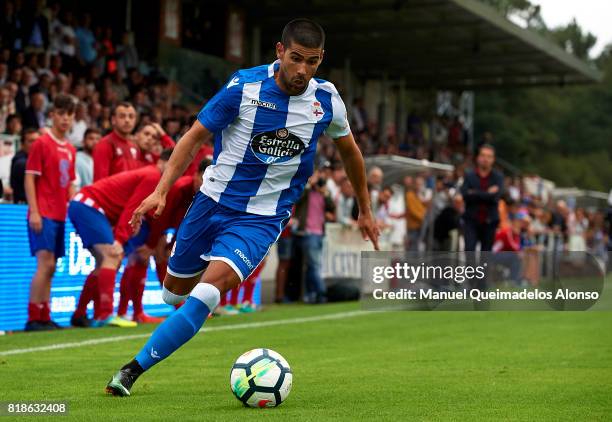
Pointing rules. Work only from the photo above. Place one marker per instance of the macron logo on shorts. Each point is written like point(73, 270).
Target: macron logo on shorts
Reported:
point(244, 258)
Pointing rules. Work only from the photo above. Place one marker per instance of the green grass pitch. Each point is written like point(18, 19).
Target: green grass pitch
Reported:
point(520, 366)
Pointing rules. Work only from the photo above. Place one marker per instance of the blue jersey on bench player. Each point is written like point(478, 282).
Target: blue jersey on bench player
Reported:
point(265, 143)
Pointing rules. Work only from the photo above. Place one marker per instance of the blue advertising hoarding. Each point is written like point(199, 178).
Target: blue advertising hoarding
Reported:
point(17, 267)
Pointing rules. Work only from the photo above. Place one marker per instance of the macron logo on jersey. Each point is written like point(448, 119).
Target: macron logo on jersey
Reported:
point(233, 82)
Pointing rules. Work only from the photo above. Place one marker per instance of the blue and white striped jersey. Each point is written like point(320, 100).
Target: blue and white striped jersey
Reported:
point(265, 140)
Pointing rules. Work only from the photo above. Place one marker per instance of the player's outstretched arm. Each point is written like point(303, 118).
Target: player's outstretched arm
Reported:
point(355, 170)
point(180, 159)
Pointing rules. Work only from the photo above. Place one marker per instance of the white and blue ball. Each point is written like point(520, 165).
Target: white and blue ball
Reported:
point(261, 378)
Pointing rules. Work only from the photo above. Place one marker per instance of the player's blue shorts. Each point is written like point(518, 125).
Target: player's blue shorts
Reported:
point(213, 232)
point(50, 238)
point(94, 228)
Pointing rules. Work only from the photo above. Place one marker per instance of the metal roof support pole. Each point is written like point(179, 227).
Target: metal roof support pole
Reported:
point(256, 45)
point(349, 94)
point(382, 110)
point(400, 116)
point(128, 15)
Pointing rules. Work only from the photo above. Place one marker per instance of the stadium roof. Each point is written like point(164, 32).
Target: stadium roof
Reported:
point(395, 167)
point(442, 44)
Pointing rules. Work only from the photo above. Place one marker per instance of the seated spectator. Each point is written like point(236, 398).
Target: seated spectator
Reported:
point(13, 125)
point(415, 214)
point(7, 107)
point(34, 115)
point(18, 166)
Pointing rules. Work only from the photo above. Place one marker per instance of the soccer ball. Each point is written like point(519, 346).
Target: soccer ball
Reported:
point(261, 378)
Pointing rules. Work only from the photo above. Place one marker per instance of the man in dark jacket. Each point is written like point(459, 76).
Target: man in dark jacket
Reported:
point(18, 165)
point(34, 115)
point(481, 190)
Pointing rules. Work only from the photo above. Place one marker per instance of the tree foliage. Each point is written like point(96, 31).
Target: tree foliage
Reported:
point(562, 133)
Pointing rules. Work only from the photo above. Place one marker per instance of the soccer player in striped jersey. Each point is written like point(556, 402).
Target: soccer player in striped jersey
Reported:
point(266, 122)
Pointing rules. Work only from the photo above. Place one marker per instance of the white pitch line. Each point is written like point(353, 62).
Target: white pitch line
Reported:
point(93, 342)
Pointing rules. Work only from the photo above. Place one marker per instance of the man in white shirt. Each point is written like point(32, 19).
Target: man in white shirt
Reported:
point(84, 158)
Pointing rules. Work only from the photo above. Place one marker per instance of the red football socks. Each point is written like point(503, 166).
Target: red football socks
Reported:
point(106, 290)
point(88, 293)
point(138, 281)
point(125, 290)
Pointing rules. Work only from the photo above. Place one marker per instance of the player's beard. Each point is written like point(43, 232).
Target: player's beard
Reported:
point(290, 85)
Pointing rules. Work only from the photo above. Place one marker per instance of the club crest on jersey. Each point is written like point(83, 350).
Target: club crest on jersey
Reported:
point(276, 146)
point(317, 110)
point(134, 152)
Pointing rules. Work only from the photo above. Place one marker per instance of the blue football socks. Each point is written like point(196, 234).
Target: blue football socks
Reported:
point(175, 331)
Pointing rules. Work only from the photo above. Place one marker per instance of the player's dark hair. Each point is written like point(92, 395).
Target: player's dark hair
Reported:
point(165, 155)
point(122, 104)
point(27, 131)
point(203, 164)
point(90, 131)
point(65, 103)
point(304, 32)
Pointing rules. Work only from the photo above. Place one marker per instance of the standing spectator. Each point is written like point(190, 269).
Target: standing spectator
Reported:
point(312, 210)
point(84, 158)
point(415, 214)
point(18, 166)
point(116, 152)
point(77, 132)
point(10, 27)
point(347, 210)
point(86, 42)
point(35, 30)
point(481, 191)
point(284, 248)
point(34, 115)
point(375, 180)
point(48, 187)
point(127, 54)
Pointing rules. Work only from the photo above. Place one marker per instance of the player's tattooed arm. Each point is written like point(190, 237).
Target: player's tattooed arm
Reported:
point(354, 166)
point(181, 157)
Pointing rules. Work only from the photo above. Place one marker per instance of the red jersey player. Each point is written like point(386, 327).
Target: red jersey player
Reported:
point(179, 199)
point(116, 152)
point(101, 213)
point(151, 139)
point(49, 185)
